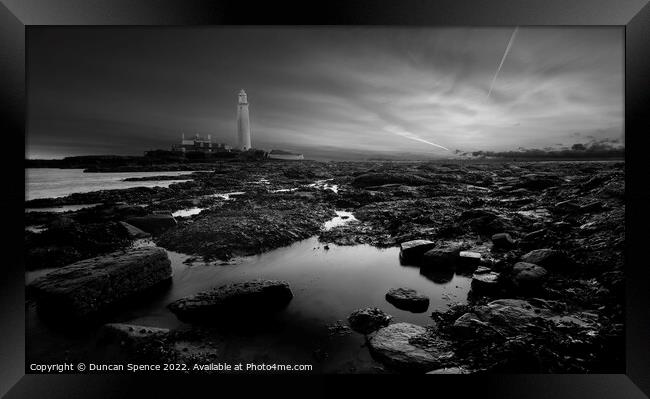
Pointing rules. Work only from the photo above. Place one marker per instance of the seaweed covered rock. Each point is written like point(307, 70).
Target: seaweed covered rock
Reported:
point(92, 285)
point(408, 347)
point(257, 296)
point(154, 224)
point(548, 258)
point(367, 320)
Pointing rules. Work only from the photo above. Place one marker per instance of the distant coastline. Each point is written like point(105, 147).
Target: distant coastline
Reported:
point(129, 163)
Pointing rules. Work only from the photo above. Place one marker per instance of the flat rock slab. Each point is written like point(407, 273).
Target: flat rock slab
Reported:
point(94, 284)
point(408, 347)
point(367, 320)
point(412, 251)
point(408, 299)
point(233, 300)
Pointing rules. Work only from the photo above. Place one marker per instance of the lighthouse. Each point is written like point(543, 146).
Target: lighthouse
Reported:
point(243, 123)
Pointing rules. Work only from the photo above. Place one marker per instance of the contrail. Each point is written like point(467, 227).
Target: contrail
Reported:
point(505, 54)
point(412, 136)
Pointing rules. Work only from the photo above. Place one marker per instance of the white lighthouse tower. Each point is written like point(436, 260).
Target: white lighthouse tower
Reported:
point(243, 123)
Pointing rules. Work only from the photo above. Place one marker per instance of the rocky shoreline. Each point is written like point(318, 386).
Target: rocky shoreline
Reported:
point(542, 242)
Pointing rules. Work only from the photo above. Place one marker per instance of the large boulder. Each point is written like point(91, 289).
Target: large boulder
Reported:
point(94, 284)
point(367, 320)
point(407, 347)
point(154, 224)
point(528, 276)
point(233, 299)
point(412, 251)
point(547, 258)
point(408, 299)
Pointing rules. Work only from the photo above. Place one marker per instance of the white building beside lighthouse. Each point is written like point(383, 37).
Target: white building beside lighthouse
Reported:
point(243, 123)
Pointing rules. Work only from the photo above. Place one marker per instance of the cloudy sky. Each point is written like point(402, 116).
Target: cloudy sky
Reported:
point(370, 90)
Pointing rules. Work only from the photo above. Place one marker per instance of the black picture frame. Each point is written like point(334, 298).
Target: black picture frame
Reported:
point(17, 15)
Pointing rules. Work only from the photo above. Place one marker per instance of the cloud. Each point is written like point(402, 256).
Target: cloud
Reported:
point(367, 88)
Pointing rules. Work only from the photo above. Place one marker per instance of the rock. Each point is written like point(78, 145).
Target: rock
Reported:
point(538, 182)
point(468, 259)
point(94, 284)
point(581, 320)
point(501, 318)
point(502, 241)
point(534, 235)
point(63, 223)
point(438, 276)
point(408, 299)
point(130, 333)
point(134, 232)
point(443, 255)
point(547, 258)
point(367, 320)
point(450, 370)
point(223, 232)
point(592, 206)
point(486, 283)
point(567, 206)
point(470, 326)
point(528, 276)
point(154, 224)
point(484, 221)
point(482, 270)
point(379, 179)
point(233, 300)
point(412, 251)
point(395, 347)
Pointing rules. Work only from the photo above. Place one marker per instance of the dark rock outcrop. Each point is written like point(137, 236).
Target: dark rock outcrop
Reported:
point(233, 300)
point(134, 232)
point(528, 276)
point(367, 320)
point(95, 284)
point(154, 224)
point(378, 179)
point(548, 258)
